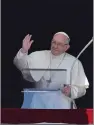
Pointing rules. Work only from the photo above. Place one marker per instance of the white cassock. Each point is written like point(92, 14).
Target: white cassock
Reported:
point(45, 60)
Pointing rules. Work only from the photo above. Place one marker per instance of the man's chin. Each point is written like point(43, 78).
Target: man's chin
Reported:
point(55, 53)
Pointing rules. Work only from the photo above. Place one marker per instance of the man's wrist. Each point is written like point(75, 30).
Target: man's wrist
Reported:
point(23, 51)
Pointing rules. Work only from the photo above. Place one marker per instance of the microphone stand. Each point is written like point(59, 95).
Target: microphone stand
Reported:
point(86, 46)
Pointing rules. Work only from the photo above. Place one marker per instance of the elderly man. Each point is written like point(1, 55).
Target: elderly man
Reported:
point(68, 76)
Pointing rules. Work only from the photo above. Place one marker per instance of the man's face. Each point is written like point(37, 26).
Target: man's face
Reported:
point(58, 44)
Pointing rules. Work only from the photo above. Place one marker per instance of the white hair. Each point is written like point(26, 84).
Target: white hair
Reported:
point(67, 41)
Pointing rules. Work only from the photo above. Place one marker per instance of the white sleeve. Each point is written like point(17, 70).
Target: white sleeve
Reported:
point(79, 81)
point(77, 92)
point(21, 62)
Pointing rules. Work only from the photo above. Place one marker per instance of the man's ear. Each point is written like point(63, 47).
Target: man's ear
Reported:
point(67, 47)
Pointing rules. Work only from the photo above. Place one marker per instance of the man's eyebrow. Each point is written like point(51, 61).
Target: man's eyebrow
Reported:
point(56, 41)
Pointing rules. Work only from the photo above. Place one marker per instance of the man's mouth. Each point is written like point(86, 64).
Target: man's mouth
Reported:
point(55, 49)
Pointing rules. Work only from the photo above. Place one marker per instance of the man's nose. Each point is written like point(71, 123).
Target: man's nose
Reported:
point(55, 45)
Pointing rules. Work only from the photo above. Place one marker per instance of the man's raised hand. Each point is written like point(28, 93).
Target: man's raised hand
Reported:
point(26, 44)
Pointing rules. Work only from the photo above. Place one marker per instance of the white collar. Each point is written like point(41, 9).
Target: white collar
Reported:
point(57, 57)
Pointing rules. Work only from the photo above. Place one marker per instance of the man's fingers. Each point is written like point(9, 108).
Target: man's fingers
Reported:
point(31, 42)
point(66, 89)
point(27, 36)
point(30, 36)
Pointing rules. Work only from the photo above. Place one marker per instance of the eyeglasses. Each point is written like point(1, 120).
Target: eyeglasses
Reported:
point(58, 44)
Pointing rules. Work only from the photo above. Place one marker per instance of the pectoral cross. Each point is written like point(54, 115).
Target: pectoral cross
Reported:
point(48, 82)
